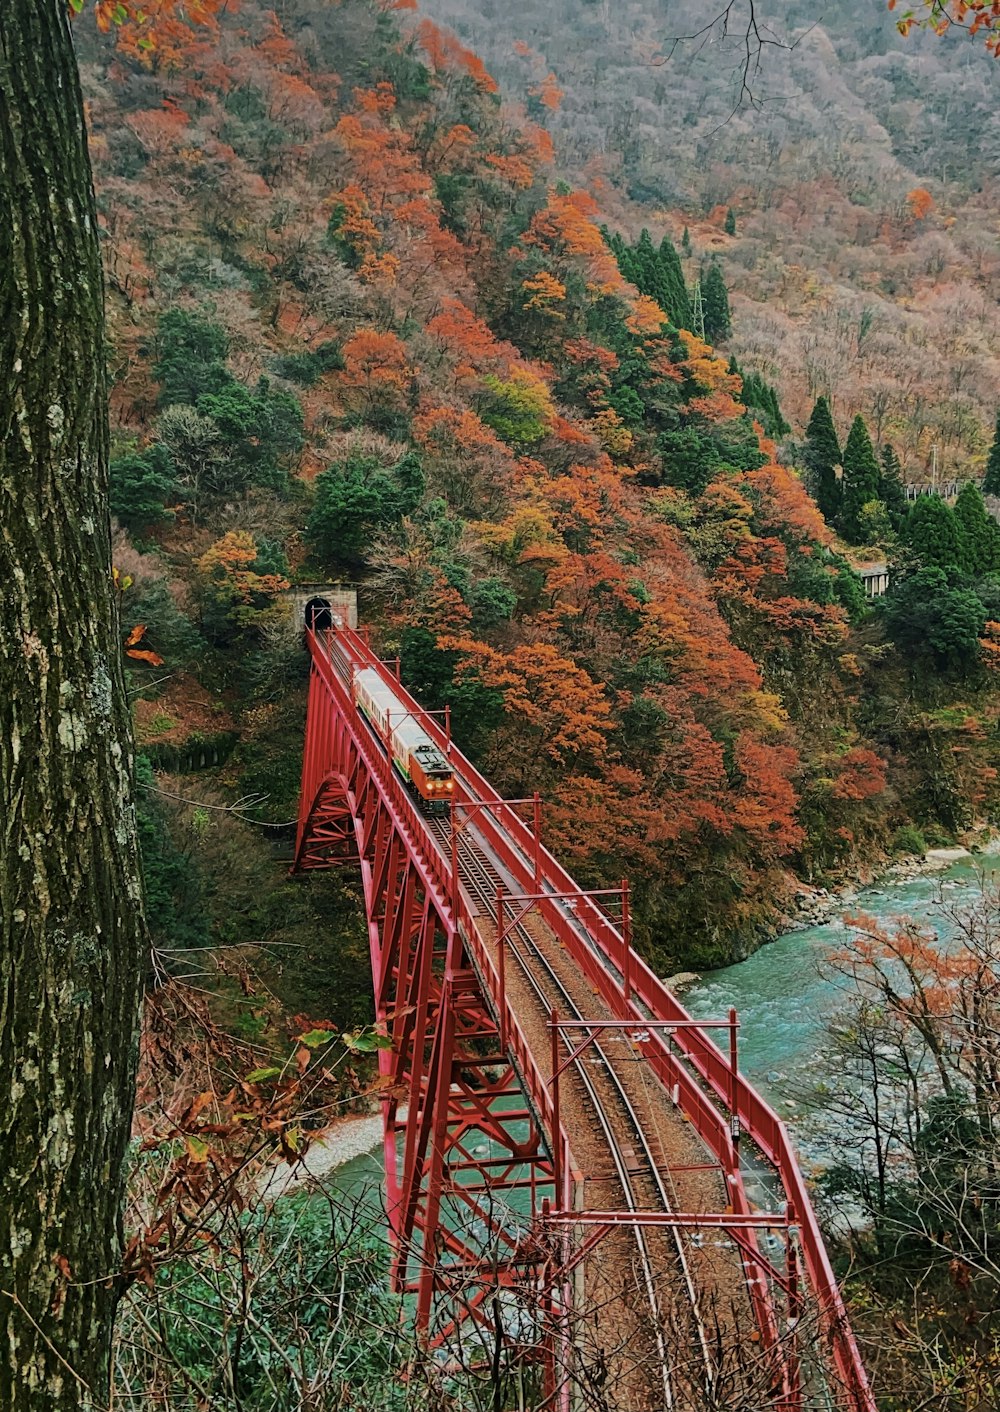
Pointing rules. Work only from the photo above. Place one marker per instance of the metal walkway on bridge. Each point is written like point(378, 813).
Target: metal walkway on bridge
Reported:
point(579, 1162)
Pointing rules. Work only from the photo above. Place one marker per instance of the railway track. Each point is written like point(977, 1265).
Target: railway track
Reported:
point(701, 1301)
point(663, 1266)
point(647, 1348)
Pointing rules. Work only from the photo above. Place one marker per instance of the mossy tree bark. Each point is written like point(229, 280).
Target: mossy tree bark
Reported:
point(71, 933)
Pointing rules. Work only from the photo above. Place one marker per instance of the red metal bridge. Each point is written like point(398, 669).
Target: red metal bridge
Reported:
point(569, 1157)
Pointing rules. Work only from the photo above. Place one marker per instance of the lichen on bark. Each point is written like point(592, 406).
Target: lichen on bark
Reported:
point(72, 940)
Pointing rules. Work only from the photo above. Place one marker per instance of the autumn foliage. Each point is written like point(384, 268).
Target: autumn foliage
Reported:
point(567, 520)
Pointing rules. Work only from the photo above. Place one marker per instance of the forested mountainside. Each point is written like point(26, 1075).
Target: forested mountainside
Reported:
point(862, 171)
point(363, 326)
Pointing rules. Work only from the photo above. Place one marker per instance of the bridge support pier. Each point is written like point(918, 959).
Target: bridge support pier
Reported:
point(466, 1163)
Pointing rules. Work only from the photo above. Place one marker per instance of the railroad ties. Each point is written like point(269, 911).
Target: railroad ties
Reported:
point(579, 1162)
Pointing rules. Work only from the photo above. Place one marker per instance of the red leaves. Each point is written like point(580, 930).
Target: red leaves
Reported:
point(446, 54)
point(974, 16)
point(141, 654)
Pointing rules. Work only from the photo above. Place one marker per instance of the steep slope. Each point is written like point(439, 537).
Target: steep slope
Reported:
point(361, 327)
point(843, 284)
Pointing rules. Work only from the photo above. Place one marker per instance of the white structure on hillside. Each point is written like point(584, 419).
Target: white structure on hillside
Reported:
point(875, 578)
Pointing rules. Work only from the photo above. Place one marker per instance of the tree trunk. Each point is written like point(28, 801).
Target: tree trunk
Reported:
point(71, 933)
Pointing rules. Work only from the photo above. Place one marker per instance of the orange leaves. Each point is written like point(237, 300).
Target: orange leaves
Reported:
point(861, 775)
point(920, 202)
point(566, 224)
point(548, 93)
point(764, 805)
point(467, 336)
point(782, 504)
point(166, 27)
point(543, 291)
point(612, 433)
point(974, 16)
point(448, 55)
point(380, 99)
point(371, 358)
point(513, 169)
point(646, 317)
point(225, 570)
point(716, 407)
point(452, 430)
point(384, 162)
point(526, 536)
point(614, 822)
point(538, 146)
point(468, 460)
point(990, 644)
point(556, 708)
point(352, 222)
point(709, 372)
point(141, 654)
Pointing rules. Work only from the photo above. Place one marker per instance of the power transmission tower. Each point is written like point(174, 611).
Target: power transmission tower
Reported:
point(697, 310)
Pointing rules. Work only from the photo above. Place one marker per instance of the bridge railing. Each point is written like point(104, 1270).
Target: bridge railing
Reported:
point(401, 802)
point(597, 942)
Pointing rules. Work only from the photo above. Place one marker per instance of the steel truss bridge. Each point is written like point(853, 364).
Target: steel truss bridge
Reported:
point(565, 1148)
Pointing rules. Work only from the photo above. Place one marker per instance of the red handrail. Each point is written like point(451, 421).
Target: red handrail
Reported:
point(598, 946)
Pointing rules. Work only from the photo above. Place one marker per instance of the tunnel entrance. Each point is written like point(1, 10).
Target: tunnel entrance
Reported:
point(319, 614)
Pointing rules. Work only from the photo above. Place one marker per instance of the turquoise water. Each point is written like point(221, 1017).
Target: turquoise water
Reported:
point(781, 993)
point(783, 998)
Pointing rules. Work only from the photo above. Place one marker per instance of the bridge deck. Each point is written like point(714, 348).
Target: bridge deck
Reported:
point(699, 1300)
point(662, 1297)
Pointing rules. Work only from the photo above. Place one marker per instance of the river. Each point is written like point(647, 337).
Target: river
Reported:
point(784, 999)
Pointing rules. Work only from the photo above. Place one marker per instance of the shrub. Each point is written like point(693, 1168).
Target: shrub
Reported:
point(492, 602)
point(909, 839)
point(357, 496)
point(308, 367)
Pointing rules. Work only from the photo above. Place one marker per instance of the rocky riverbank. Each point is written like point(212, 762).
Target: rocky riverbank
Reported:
point(812, 906)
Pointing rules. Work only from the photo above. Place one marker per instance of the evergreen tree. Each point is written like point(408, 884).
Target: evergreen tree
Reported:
point(991, 485)
point(933, 536)
point(716, 299)
point(979, 531)
point(891, 490)
point(655, 272)
point(729, 226)
point(358, 496)
point(678, 305)
point(930, 620)
point(141, 483)
point(190, 357)
point(647, 264)
point(822, 454)
point(761, 397)
point(686, 243)
point(860, 481)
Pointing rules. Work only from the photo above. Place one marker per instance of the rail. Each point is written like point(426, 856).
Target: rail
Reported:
point(718, 1108)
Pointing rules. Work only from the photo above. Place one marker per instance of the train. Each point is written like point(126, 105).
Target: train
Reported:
point(421, 764)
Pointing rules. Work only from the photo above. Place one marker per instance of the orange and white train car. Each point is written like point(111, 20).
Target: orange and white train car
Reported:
point(424, 768)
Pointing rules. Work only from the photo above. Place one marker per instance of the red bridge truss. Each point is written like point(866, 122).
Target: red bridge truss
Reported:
point(552, 1114)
